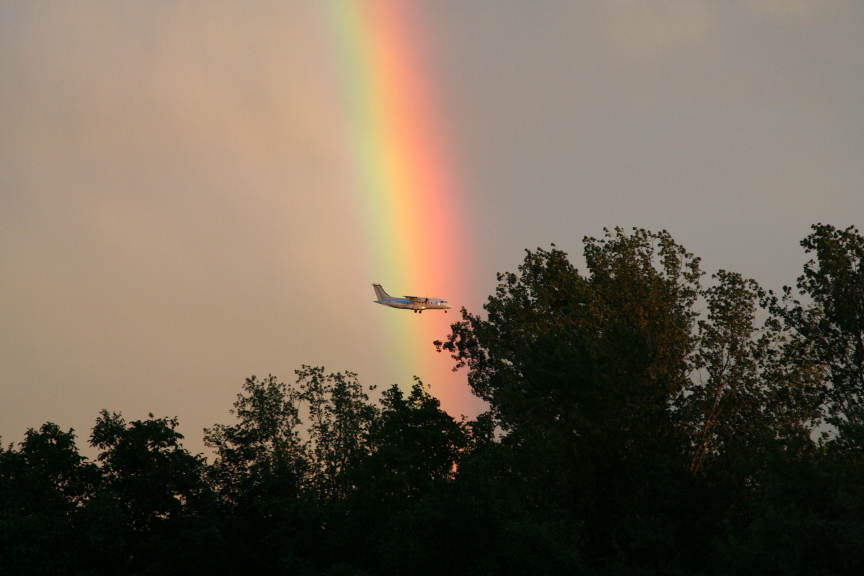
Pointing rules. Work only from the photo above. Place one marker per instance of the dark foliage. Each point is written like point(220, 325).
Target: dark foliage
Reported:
point(639, 422)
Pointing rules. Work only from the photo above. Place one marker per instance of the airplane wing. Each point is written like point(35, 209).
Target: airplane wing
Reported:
point(417, 299)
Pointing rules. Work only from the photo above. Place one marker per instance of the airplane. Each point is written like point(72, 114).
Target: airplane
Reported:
point(414, 303)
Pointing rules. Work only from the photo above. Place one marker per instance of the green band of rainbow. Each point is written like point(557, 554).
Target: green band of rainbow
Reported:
point(404, 179)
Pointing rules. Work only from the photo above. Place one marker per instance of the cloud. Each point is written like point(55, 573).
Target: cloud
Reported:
point(638, 31)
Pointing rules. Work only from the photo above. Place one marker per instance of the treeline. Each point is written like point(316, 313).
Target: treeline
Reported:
point(642, 421)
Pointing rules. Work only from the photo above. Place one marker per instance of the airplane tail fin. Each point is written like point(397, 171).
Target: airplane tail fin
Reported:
point(379, 292)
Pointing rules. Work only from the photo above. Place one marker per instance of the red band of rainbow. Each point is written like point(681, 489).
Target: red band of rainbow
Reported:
point(404, 180)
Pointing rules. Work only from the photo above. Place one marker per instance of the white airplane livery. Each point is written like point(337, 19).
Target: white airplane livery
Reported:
point(414, 303)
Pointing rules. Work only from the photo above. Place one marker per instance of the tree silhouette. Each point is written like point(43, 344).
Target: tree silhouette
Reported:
point(641, 421)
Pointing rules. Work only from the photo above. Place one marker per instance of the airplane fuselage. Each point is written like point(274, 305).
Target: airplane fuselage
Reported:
point(414, 303)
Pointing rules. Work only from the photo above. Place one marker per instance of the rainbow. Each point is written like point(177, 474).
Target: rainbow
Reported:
point(405, 183)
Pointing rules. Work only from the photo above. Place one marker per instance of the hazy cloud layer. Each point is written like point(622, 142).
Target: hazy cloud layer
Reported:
point(174, 206)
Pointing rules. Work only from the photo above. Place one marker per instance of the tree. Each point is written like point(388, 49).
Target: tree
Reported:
point(262, 455)
point(382, 520)
point(282, 483)
point(340, 417)
point(414, 444)
point(625, 327)
point(153, 511)
point(746, 413)
point(726, 364)
point(746, 395)
point(146, 469)
point(592, 366)
point(829, 329)
point(43, 485)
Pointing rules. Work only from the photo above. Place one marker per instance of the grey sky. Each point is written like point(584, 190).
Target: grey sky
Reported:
point(173, 216)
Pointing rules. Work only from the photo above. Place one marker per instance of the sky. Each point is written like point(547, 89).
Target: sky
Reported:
point(192, 193)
